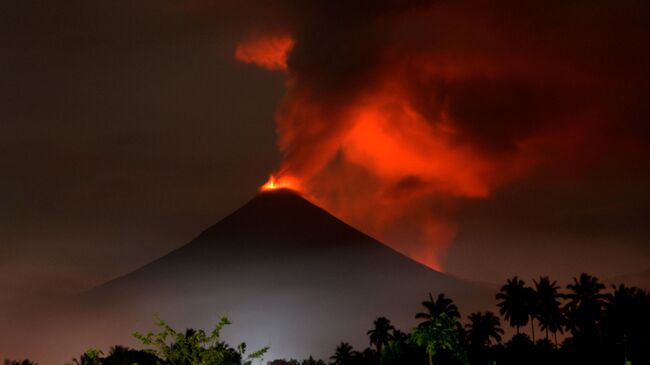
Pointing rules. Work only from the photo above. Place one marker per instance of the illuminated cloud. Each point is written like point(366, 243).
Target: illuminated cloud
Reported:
point(394, 114)
point(269, 52)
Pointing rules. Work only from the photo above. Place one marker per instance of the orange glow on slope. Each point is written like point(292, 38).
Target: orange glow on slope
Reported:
point(269, 52)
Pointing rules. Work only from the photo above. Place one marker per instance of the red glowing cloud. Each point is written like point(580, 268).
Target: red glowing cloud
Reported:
point(379, 163)
point(394, 117)
point(269, 52)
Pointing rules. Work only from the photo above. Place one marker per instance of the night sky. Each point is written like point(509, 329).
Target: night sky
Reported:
point(485, 140)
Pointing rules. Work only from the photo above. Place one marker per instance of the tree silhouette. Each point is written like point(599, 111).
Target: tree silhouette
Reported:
point(604, 329)
point(366, 357)
point(90, 357)
point(118, 350)
point(435, 308)
point(585, 306)
point(483, 328)
point(514, 303)
point(626, 322)
point(308, 361)
point(520, 349)
point(440, 333)
point(532, 303)
point(312, 361)
point(283, 362)
point(121, 355)
point(196, 346)
point(401, 350)
point(343, 355)
point(381, 333)
point(19, 362)
point(549, 313)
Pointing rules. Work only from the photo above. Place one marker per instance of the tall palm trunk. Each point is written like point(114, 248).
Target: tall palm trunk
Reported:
point(517, 326)
point(430, 358)
point(555, 335)
point(546, 333)
point(532, 327)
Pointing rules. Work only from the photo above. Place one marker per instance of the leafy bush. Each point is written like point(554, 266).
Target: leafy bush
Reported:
point(196, 347)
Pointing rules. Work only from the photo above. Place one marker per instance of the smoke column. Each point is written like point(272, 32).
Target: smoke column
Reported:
point(395, 113)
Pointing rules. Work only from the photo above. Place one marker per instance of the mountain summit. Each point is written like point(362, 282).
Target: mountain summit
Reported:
point(282, 240)
point(286, 272)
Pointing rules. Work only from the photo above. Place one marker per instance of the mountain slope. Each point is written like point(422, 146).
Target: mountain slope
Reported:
point(287, 273)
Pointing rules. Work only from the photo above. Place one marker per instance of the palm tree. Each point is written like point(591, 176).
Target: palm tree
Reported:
point(532, 304)
point(441, 332)
point(381, 333)
point(586, 304)
point(626, 320)
point(343, 354)
point(549, 314)
point(514, 303)
point(483, 328)
point(435, 308)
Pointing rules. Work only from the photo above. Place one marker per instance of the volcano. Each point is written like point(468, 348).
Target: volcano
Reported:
point(287, 273)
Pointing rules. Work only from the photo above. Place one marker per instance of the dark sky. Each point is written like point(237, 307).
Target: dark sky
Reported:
point(126, 130)
point(128, 127)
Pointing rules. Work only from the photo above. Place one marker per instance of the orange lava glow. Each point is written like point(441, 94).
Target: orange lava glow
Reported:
point(269, 52)
point(276, 183)
point(397, 152)
point(387, 169)
point(378, 163)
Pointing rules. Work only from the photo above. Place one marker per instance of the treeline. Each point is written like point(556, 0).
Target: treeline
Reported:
point(584, 324)
point(595, 327)
point(170, 347)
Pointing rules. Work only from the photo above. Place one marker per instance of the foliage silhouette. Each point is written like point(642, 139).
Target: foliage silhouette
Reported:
point(437, 334)
point(90, 357)
point(585, 307)
point(120, 355)
point(381, 333)
point(435, 308)
point(514, 301)
point(312, 361)
point(343, 355)
point(626, 323)
point(19, 362)
point(196, 347)
point(402, 350)
point(602, 328)
point(483, 328)
point(549, 313)
point(309, 361)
